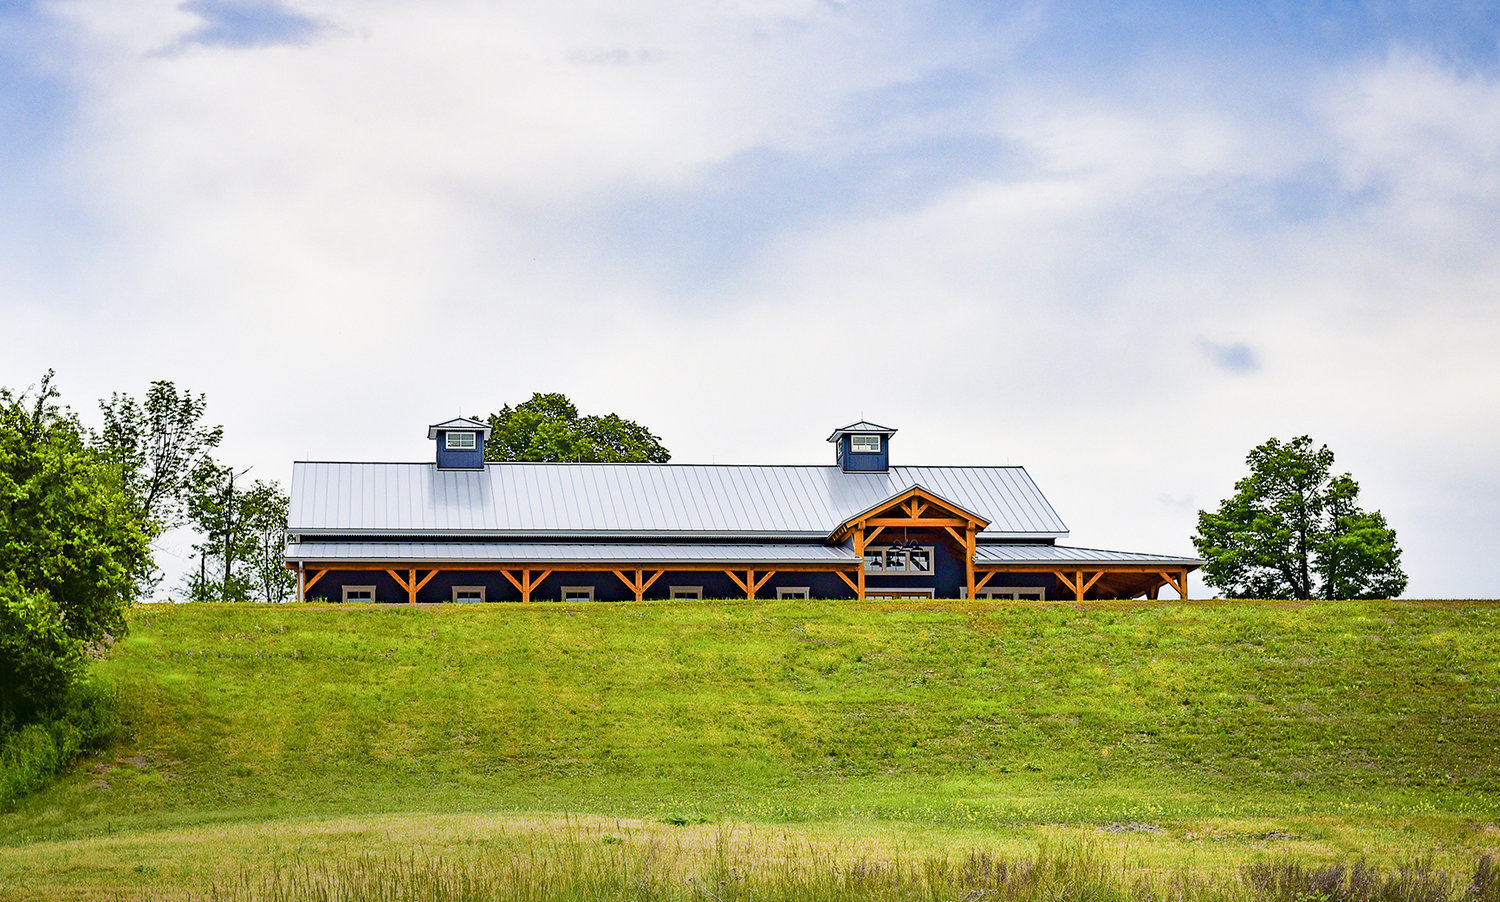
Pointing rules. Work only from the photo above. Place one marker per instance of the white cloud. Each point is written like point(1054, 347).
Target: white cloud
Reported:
point(377, 229)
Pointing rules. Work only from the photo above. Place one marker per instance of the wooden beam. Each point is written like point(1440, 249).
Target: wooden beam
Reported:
point(399, 581)
point(650, 582)
point(513, 581)
point(870, 536)
point(737, 581)
point(313, 582)
point(847, 581)
point(957, 536)
point(411, 587)
point(1090, 584)
point(1067, 583)
point(425, 580)
point(760, 583)
point(969, 558)
point(986, 581)
point(918, 508)
point(859, 555)
point(917, 521)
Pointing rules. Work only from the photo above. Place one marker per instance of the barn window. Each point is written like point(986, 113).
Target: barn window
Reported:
point(468, 594)
point(792, 592)
point(899, 560)
point(459, 441)
point(359, 593)
point(577, 593)
point(864, 444)
point(685, 592)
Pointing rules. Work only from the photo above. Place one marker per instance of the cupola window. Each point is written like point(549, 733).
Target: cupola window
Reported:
point(864, 444)
point(459, 441)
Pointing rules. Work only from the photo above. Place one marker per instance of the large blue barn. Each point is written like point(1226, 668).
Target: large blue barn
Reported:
point(460, 529)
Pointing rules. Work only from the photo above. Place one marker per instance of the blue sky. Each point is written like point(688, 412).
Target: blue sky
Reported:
point(1119, 243)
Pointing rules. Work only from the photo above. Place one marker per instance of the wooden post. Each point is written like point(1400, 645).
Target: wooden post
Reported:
point(411, 587)
point(969, 551)
point(301, 581)
point(859, 555)
point(1078, 583)
point(525, 585)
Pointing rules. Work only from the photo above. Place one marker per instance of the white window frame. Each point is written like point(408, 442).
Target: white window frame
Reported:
point(685, 593)
point(855, 440)
point(472, 438)
point(458, 589)
point(905, 570)
point(893, 594)
point(1012, 593)
point(803, 592)
point(562, 593)
point(370, 589)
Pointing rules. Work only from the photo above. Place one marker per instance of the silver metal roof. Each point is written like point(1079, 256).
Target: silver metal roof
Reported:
point(548, 500)
point(547, 552)
point(863, 427)
point(458, 424)
point(1065, 554)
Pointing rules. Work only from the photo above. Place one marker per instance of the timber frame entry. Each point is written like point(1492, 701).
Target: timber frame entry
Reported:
point(913, 509)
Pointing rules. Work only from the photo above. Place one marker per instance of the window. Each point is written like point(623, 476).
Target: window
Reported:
point(792, 592)
point(468, 594)
point(685, 592)
point(1019, 593)
point(577, 593)
point(864, 444)
point(899, 593)
point(899, 560)
point(359, 593)
point(459, 441)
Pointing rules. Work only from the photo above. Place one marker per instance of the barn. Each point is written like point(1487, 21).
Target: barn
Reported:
point(459, 529)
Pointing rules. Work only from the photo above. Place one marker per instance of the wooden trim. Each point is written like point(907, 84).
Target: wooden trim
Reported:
point(983, 582)
point(602, 566)
point(737, 581)
point(916, 522)
point(760, 583)
point(650, 582)
point(870, 537)
point(847, 581)
point(513, 581)
point(425, 580)
point(313, 582)
point(957, 536)
point(1090, 584)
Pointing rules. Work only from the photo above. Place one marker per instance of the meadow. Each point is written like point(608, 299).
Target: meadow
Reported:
point(1154, 739)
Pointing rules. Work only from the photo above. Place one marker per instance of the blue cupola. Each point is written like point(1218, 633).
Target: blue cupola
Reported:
point(863, 447)
point(460, 443)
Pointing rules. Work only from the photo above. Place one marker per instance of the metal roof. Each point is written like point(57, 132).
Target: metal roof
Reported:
point(863, 427)
point(547, 552)
point(542, 500)
point(1065, 554)
point(459, 423)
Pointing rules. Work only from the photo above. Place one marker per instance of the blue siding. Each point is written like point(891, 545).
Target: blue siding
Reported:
point(460, 460)
point(864, 461)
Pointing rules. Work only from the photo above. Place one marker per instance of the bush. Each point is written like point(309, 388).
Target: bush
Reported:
point(39, 661)
point(30, 755)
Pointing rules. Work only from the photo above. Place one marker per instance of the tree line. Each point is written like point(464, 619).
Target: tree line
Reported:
point(80, 511)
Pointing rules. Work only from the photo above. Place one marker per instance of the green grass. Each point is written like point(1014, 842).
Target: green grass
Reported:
point(1238, 730)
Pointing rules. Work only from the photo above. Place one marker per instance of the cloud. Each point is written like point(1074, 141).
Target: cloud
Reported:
point(1236, 357)
point(248, 23)
point(744, 224)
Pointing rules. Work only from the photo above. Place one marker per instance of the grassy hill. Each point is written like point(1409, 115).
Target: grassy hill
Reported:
point(1220, 731)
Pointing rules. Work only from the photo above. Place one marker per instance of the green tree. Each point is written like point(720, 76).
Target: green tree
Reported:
point(68, 525)
point(159, 445)
point(1293, 529)
point(549, 427)
point(264, 517)
point(216, 510)
point(73, 552)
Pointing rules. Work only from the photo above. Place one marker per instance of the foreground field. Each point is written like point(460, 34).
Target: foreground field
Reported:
point(1199, 735)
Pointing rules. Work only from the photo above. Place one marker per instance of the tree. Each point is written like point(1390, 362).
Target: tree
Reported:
point(73, 553)
point(216, 510)
point(68, 525)
point(1294, 530)
point(264, 513)
point(159, 445)
point(548, 427)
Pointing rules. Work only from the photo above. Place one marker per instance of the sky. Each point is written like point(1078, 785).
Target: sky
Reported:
point(1119, 243)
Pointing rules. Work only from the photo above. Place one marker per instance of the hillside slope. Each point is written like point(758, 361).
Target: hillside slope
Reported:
point(943, 714)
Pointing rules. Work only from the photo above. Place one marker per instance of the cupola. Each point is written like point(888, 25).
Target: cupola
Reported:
point(460, 443)
point(863, 447)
